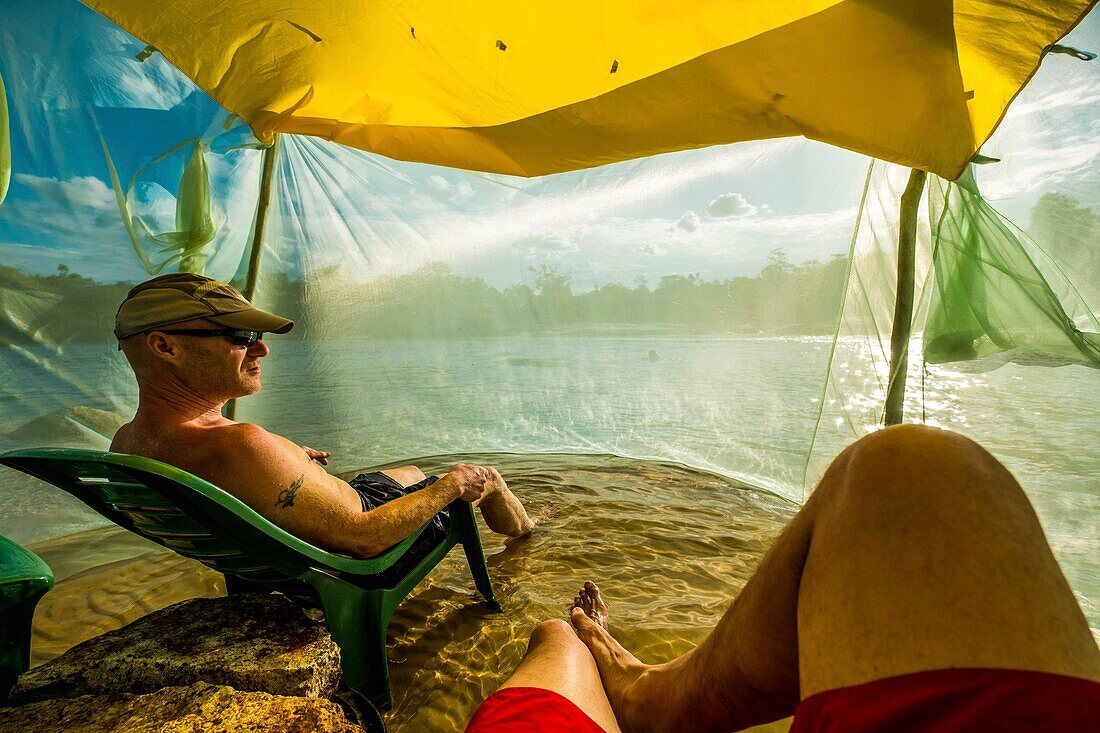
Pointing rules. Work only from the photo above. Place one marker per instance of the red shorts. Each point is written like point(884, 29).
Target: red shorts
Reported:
point(940, 701)
point(529, 710)
point(956, 701)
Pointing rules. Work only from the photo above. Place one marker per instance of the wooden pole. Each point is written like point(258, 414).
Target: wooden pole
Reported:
point(270, 153)
point(903, 303)
point(261, 219)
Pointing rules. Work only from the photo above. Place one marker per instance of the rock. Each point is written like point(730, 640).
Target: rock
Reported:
point(250, 642)
point(199, 707)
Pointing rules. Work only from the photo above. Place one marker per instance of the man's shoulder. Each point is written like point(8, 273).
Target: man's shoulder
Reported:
point(239, 431)
point(245, 458)
point(245, 437)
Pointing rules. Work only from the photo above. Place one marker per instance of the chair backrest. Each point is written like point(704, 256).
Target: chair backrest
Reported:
point(184, 513)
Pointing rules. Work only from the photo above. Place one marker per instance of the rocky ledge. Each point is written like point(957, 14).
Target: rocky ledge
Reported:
point(197, 708)
point(260, 643)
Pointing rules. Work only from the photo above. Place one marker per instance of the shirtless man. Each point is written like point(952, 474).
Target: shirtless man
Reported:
point(195, 343)
point(914, 592)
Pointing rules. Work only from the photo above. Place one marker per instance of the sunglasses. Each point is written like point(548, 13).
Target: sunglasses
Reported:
point(238, 338)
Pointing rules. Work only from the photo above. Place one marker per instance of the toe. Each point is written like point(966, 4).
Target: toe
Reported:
point(580, 620)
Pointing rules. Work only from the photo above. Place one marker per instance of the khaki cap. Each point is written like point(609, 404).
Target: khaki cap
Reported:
point(170, 299)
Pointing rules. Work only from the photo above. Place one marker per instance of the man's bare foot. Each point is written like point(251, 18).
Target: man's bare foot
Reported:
point(621, 672)
point(503, 512)
point(591, 602)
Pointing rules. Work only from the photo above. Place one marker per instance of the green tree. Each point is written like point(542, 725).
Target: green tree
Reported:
point(778, 266)
point(1070, 233)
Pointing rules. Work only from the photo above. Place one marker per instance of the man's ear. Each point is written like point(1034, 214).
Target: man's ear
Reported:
point(160, 346)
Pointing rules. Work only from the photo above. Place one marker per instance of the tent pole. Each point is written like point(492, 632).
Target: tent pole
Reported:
point(261, 218)
point(903, 303)
point(253, 274)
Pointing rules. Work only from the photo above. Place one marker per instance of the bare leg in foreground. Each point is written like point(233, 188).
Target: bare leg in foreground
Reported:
point(918, 551)
point(556, 660)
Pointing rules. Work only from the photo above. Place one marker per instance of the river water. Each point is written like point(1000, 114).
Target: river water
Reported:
point(671, 544)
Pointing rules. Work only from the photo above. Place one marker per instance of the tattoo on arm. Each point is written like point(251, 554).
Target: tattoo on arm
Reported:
point(287, 495)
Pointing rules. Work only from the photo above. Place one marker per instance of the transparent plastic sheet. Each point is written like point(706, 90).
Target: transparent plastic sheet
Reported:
point(448, 311)
point(80, 106)
point(681, 307)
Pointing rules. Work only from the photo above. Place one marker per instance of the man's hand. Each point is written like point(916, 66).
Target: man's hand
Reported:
point(321, 456)
point(469, 480)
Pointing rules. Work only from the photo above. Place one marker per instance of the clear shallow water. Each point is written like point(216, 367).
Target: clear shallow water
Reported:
point(670, 546)
point(741, 406)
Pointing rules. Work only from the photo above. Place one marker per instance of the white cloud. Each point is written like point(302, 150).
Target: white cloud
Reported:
point(544, 246)
point(442, 189)
point(80, 209)
point(438, 184)
point(730, 204)
point(79, 190)
point(689, 222)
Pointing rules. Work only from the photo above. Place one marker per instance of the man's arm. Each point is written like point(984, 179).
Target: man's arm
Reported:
point(280, 481)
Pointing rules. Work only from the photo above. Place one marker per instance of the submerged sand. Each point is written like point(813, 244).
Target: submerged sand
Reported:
point(669, 545)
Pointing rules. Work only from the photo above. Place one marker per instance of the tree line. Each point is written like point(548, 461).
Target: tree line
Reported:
point(435, 302)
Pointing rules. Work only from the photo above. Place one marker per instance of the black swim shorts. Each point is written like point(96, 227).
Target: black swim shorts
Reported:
point(375, 489)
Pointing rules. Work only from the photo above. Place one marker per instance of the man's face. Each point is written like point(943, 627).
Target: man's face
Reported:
point(216, 368)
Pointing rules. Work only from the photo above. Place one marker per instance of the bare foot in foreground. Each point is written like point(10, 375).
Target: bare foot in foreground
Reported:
point(620, 671)
point(590, 601)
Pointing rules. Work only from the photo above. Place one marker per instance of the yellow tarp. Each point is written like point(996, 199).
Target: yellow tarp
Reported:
point(536, 88)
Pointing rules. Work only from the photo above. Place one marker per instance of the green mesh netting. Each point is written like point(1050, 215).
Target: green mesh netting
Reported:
point(989, 293)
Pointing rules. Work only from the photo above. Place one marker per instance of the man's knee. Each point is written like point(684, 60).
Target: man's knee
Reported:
point(411, 475)
point(551, 633)
point(923, 440)
point(916, 462)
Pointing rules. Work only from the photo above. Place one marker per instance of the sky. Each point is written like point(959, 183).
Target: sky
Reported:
point(716, 212)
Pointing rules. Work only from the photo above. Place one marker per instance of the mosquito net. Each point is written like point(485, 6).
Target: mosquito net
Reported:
point(729, 308)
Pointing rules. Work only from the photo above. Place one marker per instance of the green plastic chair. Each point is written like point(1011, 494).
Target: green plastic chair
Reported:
point(198, 520)
point(24, 579)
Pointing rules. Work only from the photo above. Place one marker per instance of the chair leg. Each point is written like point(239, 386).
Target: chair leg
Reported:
point(354, 618)
point(466, 527)
point(15, 643)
